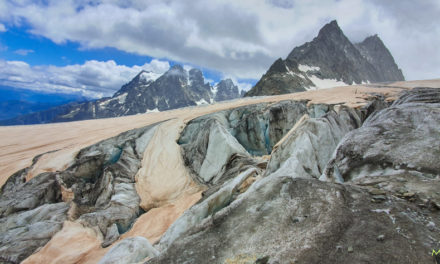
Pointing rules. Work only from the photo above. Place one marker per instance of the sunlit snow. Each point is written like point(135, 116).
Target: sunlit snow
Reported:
point(324, 83)
point(202, 102)
point(306, 68)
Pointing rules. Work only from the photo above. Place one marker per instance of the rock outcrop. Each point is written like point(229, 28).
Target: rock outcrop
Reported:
point(329, 60)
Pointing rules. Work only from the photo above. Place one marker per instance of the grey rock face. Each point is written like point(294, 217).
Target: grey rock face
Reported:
point(336, 57)
point(373, 49)
point(329, 56)
point(281, 78)
point(226, 90)
point(403, 137)
point(129, 250)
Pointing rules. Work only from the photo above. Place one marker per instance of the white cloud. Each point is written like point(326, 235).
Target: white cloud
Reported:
point(240, 38)
point(23, 52)
point(244, 86)
point(2, 28)
point(187, 67)
point(92, 79)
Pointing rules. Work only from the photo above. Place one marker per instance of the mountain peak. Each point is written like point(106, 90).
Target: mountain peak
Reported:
point(226, 90)
point(176, 70)
point(177, 67)
point(195, 71)
point(227, 81)
point(372, 40)
point(330, 30)
point(196, 74)
point(141, 73)
point(330, 59)
point(142, 78)
point(330, 38)
point(377, 54)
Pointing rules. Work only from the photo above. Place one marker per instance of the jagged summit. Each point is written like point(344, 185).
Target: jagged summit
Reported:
point(330, 29)
point(330, 59)
point(376, 53)
point(176, 69)
point(142, 78)
point(226, 90)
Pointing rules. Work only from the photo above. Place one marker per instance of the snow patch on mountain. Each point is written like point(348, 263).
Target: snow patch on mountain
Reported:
point(155, 110)
point(306, 68)
point(202, 102)
point(324, 83)
point(121, 98)
point(214, 89)
point(146, 76)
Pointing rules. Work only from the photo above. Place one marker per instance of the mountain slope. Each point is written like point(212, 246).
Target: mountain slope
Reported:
point(329, 60)
point(373, 49)
point(144, 93)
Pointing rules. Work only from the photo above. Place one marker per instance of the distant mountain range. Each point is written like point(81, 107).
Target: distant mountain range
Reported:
point(147, 92)
point(329, 60)
point(15, 102)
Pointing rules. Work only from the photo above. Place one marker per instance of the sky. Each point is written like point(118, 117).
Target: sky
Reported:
point(92, 47)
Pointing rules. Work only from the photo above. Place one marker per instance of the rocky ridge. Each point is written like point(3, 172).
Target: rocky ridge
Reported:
point(329, 60)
